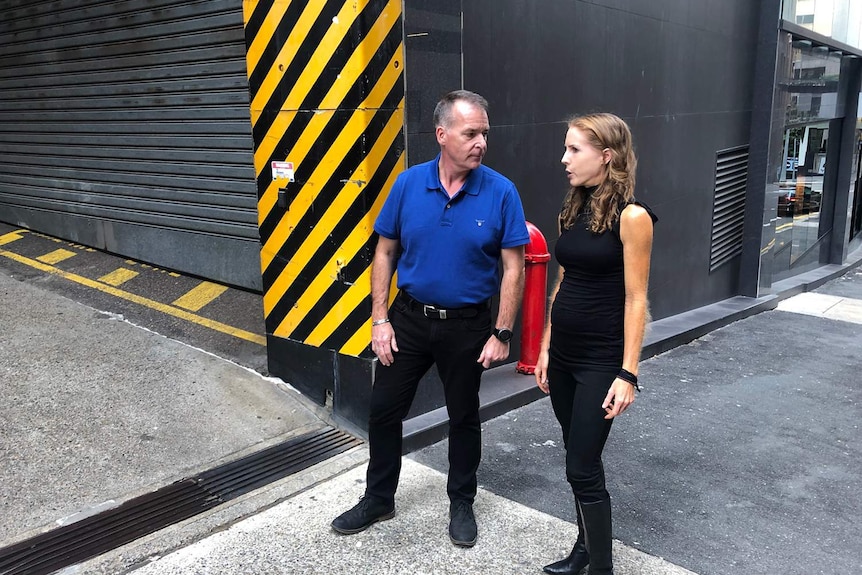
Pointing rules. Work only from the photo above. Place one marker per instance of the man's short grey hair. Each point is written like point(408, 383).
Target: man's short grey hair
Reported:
point(443, 111)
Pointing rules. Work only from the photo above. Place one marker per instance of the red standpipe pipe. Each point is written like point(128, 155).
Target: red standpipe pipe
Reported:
point(536, 258)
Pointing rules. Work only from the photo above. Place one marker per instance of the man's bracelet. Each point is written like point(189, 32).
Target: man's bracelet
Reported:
point(380, 321)
point(628, 376)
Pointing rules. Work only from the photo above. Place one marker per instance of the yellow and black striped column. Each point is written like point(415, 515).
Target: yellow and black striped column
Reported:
point(327, 103)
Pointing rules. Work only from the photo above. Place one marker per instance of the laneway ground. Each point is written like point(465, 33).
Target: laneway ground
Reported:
point(223, 320)
point(295, 537)
point(742, 456)
point(96, 410)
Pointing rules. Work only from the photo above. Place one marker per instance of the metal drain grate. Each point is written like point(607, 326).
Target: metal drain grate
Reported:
point(181, 500)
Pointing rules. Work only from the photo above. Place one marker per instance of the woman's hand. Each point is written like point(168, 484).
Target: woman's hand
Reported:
point(383, 343)
point(620, 396)
point(541, 371)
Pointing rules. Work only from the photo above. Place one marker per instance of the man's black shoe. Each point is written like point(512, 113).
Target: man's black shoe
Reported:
point(462, 523)
point(369, 510)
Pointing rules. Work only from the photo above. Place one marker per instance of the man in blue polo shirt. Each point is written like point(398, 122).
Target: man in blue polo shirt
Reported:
point(446, 226)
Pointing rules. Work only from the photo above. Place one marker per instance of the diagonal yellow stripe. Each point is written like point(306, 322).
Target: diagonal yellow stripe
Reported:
point(352, 130)
point(354, 67)
point(265, 32)
point(351, 71)
point(348, 249)
point(247, 10)
point(330, 219)
point(319, 59)
point(288, 50)
point(190, 317)
point(362, 286)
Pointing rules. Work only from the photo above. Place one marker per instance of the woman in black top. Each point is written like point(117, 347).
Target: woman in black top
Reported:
point(592, 343)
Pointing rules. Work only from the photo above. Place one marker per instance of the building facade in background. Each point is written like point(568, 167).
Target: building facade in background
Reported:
point(811, 169)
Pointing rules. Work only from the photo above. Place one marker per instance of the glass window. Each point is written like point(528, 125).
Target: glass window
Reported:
point(856, 180)
point(809, 92)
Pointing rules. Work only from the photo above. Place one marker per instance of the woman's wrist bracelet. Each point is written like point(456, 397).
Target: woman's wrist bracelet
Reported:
point(628, 376)
point(377, 322)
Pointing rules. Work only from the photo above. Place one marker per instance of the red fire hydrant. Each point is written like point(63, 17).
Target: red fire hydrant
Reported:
point(536, 258)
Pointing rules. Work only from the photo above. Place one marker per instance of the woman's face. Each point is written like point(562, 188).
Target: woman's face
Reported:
point(585, 165)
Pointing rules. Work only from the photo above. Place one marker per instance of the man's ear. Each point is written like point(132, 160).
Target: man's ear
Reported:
point(441, 135)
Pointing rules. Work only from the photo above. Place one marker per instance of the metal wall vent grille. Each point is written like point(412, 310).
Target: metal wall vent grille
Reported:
point(728, 208)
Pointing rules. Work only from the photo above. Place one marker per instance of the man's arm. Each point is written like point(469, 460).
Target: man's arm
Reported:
point(382, 269)
point(511, 286)
point(511, 292)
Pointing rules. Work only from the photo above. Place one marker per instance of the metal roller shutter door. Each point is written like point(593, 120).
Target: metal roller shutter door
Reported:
point(124, 125)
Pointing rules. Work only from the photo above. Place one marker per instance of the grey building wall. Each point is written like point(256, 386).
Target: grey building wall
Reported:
point(679, 71)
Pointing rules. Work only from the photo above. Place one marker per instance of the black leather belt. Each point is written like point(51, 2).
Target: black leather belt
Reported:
point(436, 312)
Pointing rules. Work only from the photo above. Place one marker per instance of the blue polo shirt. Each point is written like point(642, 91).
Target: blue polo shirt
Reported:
point(451, 246)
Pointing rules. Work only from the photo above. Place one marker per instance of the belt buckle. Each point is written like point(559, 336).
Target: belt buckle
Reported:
point(441, 313)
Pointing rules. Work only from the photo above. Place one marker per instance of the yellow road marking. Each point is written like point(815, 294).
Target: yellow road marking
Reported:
point(199, 296)
point(56, 256)
point(118, 277)
point(11, 237)
point(164, 308)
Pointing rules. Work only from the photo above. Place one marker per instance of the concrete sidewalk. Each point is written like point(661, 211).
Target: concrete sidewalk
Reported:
point(742, 456)
point(96, 411)
point(295, 537)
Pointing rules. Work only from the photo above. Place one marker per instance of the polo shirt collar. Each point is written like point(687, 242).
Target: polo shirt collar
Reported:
point(471, 185)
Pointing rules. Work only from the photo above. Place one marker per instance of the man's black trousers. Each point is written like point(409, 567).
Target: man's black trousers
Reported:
point(454, 345)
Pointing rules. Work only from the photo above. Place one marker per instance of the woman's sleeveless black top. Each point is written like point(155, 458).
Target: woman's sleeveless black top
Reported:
point(587, 315)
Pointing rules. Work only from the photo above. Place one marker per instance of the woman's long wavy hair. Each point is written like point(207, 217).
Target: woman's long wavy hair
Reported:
point(618, 185)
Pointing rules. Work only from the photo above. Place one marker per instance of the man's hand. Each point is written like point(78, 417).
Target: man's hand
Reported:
point(383, 343)
point(494, 350)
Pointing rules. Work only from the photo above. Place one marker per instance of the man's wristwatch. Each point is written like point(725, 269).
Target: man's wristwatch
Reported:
point(504, 334)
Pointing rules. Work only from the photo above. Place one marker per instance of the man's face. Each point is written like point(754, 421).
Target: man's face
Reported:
point(464, 142)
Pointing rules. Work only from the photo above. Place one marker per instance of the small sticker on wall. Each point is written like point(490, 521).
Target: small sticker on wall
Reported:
point(282, 171)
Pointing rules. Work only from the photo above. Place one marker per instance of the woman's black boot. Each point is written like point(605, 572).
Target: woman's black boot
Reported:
point(598, 537)
point(577, 559)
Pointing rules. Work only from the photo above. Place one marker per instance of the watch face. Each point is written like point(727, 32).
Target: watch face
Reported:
point(503, 335)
